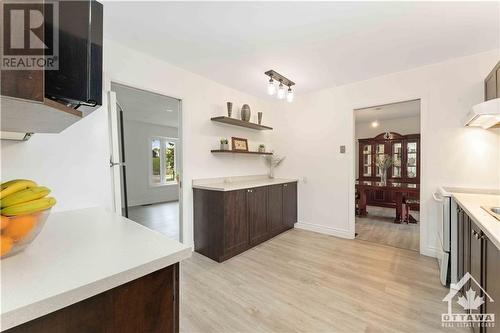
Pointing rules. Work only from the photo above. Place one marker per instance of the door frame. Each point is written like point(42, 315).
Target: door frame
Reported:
point(116, 195)
point(424, 247)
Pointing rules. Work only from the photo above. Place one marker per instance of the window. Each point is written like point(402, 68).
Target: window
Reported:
point(163, 163)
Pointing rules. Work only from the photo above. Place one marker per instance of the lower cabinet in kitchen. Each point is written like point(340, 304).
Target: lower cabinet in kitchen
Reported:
point(478, 256)
point(227, 223)
point(148, 304)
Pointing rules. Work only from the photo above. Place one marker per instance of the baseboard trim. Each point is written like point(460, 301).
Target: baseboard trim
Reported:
point(430, 251)
point(324, 230)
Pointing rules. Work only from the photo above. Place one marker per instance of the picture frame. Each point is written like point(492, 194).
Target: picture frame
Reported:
point(239, 144)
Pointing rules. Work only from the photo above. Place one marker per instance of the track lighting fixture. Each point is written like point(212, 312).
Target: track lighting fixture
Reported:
point(283, 82)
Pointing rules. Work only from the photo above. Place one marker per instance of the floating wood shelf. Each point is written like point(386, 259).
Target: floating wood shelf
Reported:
point(240, 123)
point(239, 152)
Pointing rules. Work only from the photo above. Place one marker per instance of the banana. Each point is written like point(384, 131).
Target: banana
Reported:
point(10, 182)
point(15, 186)
point(29, 194)
point(29, 207)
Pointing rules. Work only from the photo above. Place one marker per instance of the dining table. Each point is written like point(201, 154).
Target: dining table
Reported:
point(400, 191)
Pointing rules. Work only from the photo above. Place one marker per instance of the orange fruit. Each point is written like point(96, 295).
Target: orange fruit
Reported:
point(4, 222)
point(5, 245)
point(20, 226)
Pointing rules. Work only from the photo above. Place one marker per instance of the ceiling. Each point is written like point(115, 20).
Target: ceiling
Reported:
point(388, 111)
point(147, 107)
point(317, 45)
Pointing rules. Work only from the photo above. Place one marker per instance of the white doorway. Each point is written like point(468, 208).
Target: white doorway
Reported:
point(387, 204)
point(146, 150)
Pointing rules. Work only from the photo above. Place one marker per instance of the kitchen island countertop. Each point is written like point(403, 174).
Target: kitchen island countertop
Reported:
point(77, 255)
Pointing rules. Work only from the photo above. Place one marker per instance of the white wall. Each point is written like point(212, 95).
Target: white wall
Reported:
point(138, 160)
point(75, 163)
point(365, 130)
point(314, 126)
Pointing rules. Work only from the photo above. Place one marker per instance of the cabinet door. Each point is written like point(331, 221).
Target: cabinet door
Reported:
point(492, 282)
point(23, 84)
point(412, 160)
point(460, 246)
point(257, 214)
point(490, 86)
point(466, 242)
point(235, 222)
point(476, 253)
point(289, 204)
point(396, 154)
point(275, 208)
point(366, 161)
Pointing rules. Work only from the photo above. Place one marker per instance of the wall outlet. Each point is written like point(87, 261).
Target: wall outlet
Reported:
point(342, 149)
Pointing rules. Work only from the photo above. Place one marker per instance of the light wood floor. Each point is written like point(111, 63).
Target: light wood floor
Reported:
point(162, 217)
point(379, 227)
point(302, 281)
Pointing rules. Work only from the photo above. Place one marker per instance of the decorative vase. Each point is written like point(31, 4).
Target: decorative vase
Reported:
point(262, 149)
point(383, 177)
point(224, 146)
point(245, 112)
point(229, 109)
point(271, 171)
point(259, 114)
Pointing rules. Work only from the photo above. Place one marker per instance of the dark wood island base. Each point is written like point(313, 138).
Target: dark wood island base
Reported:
point(149, 304)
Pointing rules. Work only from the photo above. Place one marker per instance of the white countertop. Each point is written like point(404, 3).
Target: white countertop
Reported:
point(472, 203)
point(77, 255)
point(238, 183)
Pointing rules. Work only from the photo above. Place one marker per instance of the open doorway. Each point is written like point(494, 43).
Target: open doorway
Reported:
point(388, 174)
point(146, 163)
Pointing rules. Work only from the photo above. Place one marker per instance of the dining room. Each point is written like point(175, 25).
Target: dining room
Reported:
point(388, 174)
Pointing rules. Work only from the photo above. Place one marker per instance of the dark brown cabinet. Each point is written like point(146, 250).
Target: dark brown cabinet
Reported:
point(235, 222)
point(257, 214)
point(228, 223)
point(289, 205)
point(481, 258)
point(491, 282)
point(405, 152)
point(275, 208)
point(148, 304)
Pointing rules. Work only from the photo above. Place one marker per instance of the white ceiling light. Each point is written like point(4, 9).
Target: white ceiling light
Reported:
point(375, 124)
point(271, 88)
point(281, 91)
point(284, 82)
point(289, 95)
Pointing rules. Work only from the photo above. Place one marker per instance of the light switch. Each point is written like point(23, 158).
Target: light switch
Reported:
point(342, 149)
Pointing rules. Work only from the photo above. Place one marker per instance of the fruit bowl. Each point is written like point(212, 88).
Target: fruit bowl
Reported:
point(19, 231)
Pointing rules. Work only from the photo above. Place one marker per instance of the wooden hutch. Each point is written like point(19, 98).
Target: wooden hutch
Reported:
point(405, 152)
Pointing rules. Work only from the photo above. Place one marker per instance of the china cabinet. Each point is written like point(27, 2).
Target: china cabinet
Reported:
point(405, 153)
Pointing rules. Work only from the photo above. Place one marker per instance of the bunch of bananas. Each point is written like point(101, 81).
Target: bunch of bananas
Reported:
point(21, 201)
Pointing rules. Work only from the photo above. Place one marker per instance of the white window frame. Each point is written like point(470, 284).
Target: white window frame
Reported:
point(163, 141)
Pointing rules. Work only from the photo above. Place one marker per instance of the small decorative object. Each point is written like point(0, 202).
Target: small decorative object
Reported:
point(25, 208)
point(383, 163)
point(273, 161)
point(239, 144)
point(224, 145)
point(229, 109)
point(262, 148)
point(259, 114)
point(245, 112)
point(387, 135)
point(411, 161)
